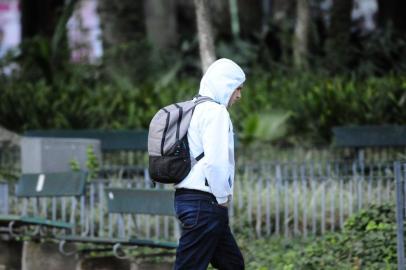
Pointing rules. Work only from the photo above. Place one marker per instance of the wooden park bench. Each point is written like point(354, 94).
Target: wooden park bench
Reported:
point(361, 138)
point(36, 186)
point(122, 201)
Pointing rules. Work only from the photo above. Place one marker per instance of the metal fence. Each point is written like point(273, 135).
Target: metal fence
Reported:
point(307, 198)
point(285, 199)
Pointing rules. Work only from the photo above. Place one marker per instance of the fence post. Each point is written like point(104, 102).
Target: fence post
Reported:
point(3, 198)
point(399, 216)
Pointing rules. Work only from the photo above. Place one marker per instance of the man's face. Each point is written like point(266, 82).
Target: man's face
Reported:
point(235, 96)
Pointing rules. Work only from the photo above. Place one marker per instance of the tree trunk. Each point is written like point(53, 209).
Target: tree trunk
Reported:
point(161, 15)
point(121, 21)
point(205, 33)
point(40, 17)
point(282, 9)
point(301, 36)
point(392, 11)
point(250, 18)
point(266, 15)
point(338, 41)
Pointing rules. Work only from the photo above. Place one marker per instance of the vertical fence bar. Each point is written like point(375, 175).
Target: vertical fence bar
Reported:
point(278, 175)
point(350, 188)
point(3, 198)
point(239, 187)
point(231, 205)
point(304, 198)
point(63, 205)
point(379, 188)
point(166, 222)
point(34, 204)
point(176, 228)
point(110, 233)
point(399, 217)
point(91, 210)
point(166, 227)
point(332, 198)
point(341, 198)
point(121, 226)
point(259, 210)
point(370, 177)
point(82, 214)
point(138, 222)
point(323, 199)
point(6, 202)
point(314, 199)
point(73, 214)
point(54, 201)
point(389, 182)
point(404, 188)
point(157, 227)
point(268, 206)
point(250, 195)
point(44, 202)
point(360, 181)
point(286, 193)
point(101, 208)
point(295, 201)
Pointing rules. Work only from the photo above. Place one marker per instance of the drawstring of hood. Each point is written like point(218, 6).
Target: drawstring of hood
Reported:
point(220, 80)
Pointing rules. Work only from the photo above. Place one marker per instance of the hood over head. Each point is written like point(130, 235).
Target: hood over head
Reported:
point(221, 79)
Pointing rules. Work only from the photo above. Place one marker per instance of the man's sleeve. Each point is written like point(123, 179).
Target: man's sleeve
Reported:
point(215, 141)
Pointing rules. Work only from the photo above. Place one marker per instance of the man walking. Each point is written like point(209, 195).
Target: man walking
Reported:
point(202, 198)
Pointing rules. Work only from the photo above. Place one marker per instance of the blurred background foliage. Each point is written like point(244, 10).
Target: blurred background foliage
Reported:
point(281, 103)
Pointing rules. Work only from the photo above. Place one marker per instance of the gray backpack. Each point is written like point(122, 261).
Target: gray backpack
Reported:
point(168, 148)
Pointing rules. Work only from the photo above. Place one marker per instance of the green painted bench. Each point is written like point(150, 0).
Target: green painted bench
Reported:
point(157, 202)
point(64, 184)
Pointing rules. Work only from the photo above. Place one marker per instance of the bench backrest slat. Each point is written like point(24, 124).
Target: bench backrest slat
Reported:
point(111, 140)
point(61, 184)
point(140, 201)
point(370, 136)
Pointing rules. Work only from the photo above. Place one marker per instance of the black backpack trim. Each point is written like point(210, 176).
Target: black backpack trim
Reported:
point(179, 121)
point(168, 114)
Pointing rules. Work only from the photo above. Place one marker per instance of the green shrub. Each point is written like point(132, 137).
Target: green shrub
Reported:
point(368, 241)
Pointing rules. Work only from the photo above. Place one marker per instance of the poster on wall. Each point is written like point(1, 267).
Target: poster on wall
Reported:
point(83, 30)
point(10, 28)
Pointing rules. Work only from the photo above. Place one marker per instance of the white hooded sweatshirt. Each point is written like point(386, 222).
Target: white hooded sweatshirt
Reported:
point(211, 132)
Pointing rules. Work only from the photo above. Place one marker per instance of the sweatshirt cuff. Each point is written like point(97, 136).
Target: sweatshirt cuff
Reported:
point(221, 200)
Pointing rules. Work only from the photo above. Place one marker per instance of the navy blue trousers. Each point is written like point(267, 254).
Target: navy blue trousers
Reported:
point(206, 236)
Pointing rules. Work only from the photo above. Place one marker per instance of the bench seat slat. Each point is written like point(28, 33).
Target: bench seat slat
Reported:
point(141, 201)
point(25, 220)
point(123, 241)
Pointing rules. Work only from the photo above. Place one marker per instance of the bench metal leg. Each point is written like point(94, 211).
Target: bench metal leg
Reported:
point(65, 252)
point(13, 233)
point(11, 230)
point(117, 249)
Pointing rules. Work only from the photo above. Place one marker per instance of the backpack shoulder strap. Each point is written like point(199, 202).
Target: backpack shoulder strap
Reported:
point(200, 99)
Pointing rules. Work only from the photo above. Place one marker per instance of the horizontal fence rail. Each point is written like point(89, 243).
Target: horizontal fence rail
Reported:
point(285, 199)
